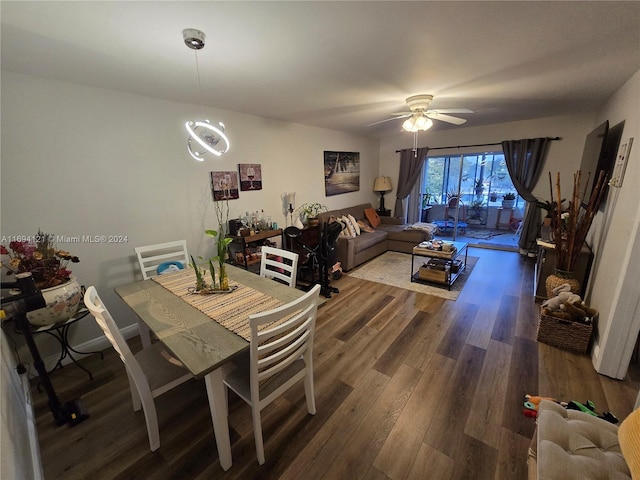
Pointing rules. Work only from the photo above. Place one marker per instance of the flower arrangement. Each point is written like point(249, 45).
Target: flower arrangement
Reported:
point(571, 223)
point(312, 210)
point(39, 255)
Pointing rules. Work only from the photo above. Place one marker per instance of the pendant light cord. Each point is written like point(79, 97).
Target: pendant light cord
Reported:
point(195, 52)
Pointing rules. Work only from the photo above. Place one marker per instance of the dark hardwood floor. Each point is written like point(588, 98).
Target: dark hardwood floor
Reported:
point(408, 386)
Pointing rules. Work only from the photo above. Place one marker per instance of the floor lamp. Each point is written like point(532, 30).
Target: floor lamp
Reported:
point(382, 185)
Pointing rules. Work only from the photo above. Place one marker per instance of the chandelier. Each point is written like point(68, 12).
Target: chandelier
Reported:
point(203, 136)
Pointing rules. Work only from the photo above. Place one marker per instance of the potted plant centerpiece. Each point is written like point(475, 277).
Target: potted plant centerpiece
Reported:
point(222, 242)
point(310, 212)
point(48, 266)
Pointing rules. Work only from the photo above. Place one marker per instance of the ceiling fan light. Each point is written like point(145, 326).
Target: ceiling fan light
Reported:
point(409, 124)
point(421, 122)
point(427, 124)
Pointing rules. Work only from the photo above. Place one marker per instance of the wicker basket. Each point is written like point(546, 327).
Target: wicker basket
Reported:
point(565, 334)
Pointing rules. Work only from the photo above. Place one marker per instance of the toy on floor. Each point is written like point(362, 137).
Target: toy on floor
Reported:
point(532, 402)
point(568, 306)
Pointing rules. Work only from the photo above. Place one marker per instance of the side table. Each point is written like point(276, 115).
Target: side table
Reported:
point(60, 331)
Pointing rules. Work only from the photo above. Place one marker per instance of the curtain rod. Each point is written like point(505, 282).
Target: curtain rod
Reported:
point(476, 145)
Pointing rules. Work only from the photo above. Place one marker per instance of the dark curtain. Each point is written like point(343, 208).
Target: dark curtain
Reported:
point(525, 159)
point(410, 167)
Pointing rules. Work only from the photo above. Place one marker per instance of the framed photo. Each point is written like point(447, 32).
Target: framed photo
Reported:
point(621, 163)
point(250, 176)
point(224, 186)
point(341, 172)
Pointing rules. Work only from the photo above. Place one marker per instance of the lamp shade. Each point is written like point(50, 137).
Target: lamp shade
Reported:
point(382, 184)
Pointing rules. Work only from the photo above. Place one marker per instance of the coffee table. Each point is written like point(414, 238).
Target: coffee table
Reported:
point(454, 263)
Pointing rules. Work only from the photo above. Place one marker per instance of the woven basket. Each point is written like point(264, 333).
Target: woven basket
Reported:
point(564, 334)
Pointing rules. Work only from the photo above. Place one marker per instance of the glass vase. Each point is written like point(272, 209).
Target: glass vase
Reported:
point(224, 279)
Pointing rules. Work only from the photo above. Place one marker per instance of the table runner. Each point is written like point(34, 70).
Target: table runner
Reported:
point(231, 310)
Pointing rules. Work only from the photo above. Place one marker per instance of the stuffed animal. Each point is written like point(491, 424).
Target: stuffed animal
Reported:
point(567, 305)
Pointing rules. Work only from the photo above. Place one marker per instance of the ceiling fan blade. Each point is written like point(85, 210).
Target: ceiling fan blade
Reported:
point(445, 118)
point(452, 110)
point(389, 119)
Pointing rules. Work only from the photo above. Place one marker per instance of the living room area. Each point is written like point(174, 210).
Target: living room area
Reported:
point(94, 145)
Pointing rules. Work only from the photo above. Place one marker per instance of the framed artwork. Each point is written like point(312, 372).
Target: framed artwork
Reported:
point(250, 176)
point(341, 172)
point(224, 185)
point(621, 163)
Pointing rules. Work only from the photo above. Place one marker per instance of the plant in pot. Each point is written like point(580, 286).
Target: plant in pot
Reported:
point(508, 200)
point(48, 266)
point(476, 212)
point(310, 212)
point(222, 215)
point(550, 208)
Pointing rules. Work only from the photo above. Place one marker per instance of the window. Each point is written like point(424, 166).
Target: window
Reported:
point(484, 179)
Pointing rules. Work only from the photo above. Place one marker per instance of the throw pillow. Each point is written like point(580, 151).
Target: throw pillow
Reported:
point(355, 225)
point(350, 230)
point(365, 227)
point(372, 216)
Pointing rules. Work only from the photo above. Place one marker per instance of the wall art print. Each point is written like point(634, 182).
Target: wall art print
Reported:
point(341, 172)
point(224, 185)
point(250, 176)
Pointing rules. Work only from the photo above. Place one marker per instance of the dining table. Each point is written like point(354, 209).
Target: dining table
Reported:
point(195, 338)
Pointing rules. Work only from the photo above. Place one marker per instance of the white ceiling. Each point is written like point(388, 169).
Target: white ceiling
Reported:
point(337, 65)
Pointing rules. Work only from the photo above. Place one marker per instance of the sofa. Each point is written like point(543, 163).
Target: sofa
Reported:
point(569, 444)
point(392, 234)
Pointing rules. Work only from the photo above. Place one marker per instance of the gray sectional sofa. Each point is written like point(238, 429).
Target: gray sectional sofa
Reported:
point(392, 234)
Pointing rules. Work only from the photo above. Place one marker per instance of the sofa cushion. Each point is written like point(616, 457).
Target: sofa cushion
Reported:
point(366, 240)
point(354, 223)
point(399, 233)
point(365, 227)
point(576, 445)
point(372, 216)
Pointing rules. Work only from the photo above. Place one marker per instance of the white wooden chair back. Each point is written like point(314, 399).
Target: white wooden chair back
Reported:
point(273, 264)
point(281, 351)
point(104, 319)
point(150, 256)
point(151, 372)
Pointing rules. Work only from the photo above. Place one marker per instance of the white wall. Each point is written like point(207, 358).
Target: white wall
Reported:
point(615, 289)
point(78, 160)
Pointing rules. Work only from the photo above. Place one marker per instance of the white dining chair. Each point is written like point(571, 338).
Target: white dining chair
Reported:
point(152, 371)
point(149, 258)
point(273, 265)
point(280, 355)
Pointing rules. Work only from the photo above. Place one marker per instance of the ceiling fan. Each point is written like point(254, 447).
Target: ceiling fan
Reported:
point(421, 118)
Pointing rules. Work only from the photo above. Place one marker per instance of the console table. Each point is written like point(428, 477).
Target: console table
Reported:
point(241, 254)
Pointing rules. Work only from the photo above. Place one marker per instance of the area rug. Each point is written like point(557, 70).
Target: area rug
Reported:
point(482, 234)
point(394, 268)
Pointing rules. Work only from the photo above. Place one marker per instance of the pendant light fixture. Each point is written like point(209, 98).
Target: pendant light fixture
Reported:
point(203, 136)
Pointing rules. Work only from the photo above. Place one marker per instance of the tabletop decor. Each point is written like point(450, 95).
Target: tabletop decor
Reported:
point(310, 211)
point(570, 226)
point(48, 266)
point(222, 243)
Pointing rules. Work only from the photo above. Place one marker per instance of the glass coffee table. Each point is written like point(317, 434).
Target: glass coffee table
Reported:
point(439, 267)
